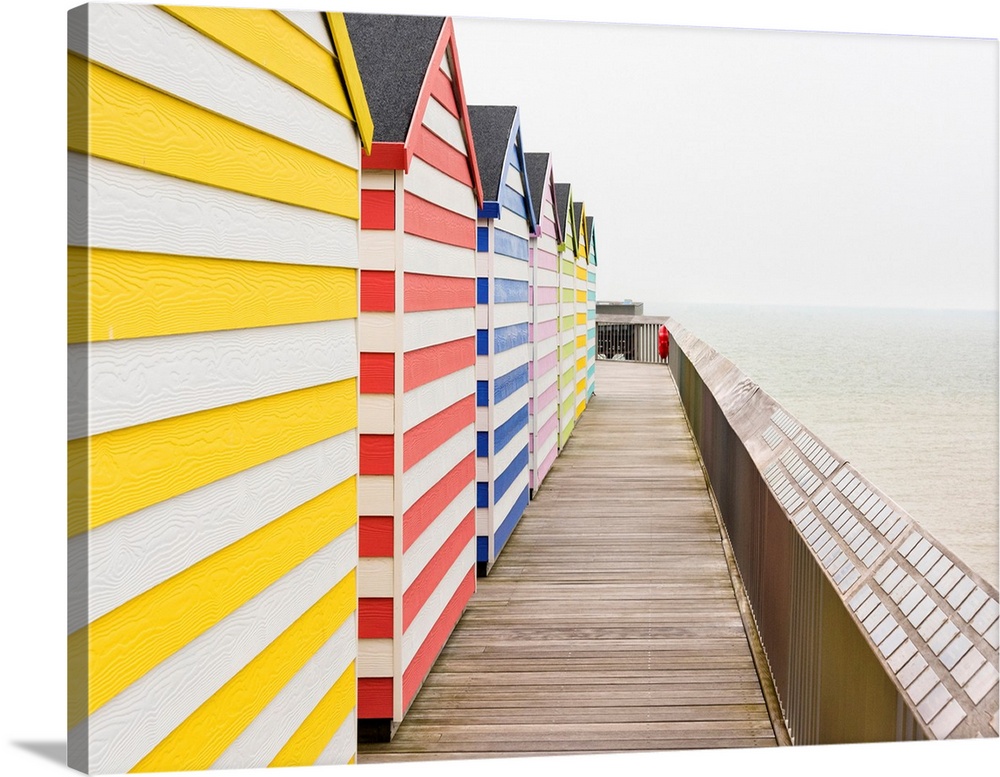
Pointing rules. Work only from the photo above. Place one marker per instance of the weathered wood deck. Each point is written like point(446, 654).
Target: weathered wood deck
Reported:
point(609, 622)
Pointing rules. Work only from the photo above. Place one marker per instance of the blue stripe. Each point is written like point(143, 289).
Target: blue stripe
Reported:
point(510, 245)
point(591, 294)
point(482, 393)
point(482, 291)
point(482, 548)
point(505, 529)
point(482, 239)
point(482, 342)
point(591, 370)
point(509, 475)
point(592, 353)
point(591, 277)
point(482, 444)
point(490, 210)
point(514, 202)
point(482, 494)
point(509, 429)
point(505, 290)
point(507, 384)
point(507, 337)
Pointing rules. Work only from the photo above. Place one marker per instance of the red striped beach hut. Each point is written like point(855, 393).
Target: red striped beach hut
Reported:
point(420, 193)
point(543, 262)
point(503, 320)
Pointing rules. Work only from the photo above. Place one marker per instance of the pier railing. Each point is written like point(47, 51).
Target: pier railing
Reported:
point(628, 338)
point(874, 630)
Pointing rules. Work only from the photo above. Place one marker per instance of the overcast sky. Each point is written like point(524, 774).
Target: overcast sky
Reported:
point(749, 166)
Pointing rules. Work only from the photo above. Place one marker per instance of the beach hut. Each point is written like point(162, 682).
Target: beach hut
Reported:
point(591, 307)
point(417, 331)
point(567, 312)
point(503, 320)
point(580, 315)
point(543, 261)
point(213, 175)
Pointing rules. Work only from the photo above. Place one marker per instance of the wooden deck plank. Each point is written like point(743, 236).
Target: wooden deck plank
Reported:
point(609, 622)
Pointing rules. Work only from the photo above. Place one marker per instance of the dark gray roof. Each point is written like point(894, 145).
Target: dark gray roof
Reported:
point(562, 203)
point(590, 236)
point(393, 52)
point(537, 164)
point(491, 127)
point(577, 210)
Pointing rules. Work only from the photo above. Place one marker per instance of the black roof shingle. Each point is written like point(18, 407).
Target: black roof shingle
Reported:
point(491, 128)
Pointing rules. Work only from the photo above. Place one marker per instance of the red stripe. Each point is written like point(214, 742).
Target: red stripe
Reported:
point(437, 292)
point(443, 560)
point(374, 697)
point(378, 291)
point(376, 373)
point(375, 536)
point(444, 92)
point(385, 156)
point(375, 454)
point(427, 653)
point(378, 209)
point(435, 361)
point(375, 618)
point(426, 219)
point(426, 509)
point(429, 435)
point(437, 153)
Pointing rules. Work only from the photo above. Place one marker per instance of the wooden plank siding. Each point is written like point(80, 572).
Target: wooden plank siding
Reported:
point(544, 269)
point(630, 638)
point(580, 308)
point(591, 309)
point(567, 317)
point(214, 161)
point(503, 329)
point(418, 350)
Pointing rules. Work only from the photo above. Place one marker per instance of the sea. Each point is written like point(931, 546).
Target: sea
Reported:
point(909, 397)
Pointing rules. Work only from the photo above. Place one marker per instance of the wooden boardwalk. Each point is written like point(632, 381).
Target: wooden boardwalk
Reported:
point(609, 622)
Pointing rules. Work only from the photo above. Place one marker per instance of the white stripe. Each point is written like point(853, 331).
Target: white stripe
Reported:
point(374, 578)
point(482, 419)
point(514, 269)
point(546, 312)
point(131, 724)
point(482, 468)
point(433, 397)
point(432, 327)
point(444, 125)
point(375, 495)
point(514, 180)
point(513, 223)
point(134, 210)
point(482, 368)
point(482, 521)
point(139, 551)
point(548, 244)
point(375, 413)
point(312, 24)
point(377, 249)
point(507, 313)
point(543, 382)
point(445, 68)
point(482, 316)
point(567, 336)
point(431, 184)
point(140, 380)
point(427, 472)
point(155, 48)
point(375, 657)
point(505, 361)
point(378, 179)
point(376, 332)
point(263, 738)
point(547, 278)
point(419, 554)
point(483, 259)
point(429, 614)
point(546, 346)
point(429, 257)
point(506, 502)
point(344, 745)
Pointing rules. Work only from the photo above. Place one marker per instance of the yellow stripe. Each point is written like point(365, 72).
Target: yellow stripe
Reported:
point(274, 44)
point(352, 77)
point(581, 341)
point(144, 295)
point(581, 319)
point(581, 273)
point(135, 637)
point(139, 126)
point(581, 295)
point(141, 465)
point(308, 742)
point(581, 365)
point(199, 741)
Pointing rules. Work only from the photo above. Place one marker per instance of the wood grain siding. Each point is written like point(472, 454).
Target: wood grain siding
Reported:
point(429, 266)
point(214, 161)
